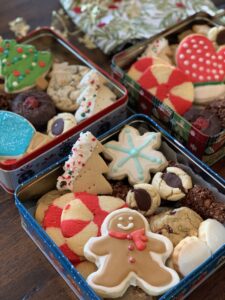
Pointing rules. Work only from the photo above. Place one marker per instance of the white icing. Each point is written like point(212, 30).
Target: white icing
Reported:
point(186, 62)
point(194, 66)
point(130, 218)
point(193, 56)
point(120, 218)
point(127, 227)
point(189, 51)
point(81, 151)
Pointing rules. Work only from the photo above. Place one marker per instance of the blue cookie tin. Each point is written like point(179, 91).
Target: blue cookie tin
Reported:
point(27, 194)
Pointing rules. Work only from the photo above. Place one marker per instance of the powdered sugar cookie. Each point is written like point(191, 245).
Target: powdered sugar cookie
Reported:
point(173, 184)
point(52, 225)
point(199, 60)
point(134, 155)
point(60, 124)
point(204, 94)
point(84, 168)
point(139, 67)
point(126, 232)
point(212, 233)
point(144, 198)
point(170, 86)
point(82, 218)
point(189, 254)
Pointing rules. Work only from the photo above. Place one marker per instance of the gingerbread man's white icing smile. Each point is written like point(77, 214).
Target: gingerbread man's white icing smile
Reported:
point(128, 226)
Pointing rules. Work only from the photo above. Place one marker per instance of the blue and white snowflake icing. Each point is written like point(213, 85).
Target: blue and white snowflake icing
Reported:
point(16, 134)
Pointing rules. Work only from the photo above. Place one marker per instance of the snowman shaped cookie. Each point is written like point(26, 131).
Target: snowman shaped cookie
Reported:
point(128, 253)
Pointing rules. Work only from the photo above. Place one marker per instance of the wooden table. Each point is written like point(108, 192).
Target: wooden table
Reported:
point(24, 272)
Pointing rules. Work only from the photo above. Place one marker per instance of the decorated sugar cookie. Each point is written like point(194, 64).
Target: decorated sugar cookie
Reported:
point(82, 218)
point(139, 67)
point(52, 225)
point(200, 61)
point(128, 253)
point(16, 134)
point(22, 65)
point(134, 155)
point(84, 168)
point(170, 86)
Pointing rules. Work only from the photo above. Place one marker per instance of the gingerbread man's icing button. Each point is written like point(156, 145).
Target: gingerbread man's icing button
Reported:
point(117, 272)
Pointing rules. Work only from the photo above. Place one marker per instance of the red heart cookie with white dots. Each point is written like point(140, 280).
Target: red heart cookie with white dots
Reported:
point(197, 57)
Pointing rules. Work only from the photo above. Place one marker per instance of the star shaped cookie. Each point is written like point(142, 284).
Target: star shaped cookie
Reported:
point(134, 156)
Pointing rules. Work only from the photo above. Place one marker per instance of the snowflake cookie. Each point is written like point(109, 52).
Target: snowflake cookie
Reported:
point(134, 156)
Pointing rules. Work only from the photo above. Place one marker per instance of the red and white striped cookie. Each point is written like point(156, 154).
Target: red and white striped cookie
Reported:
point(169, 85)
point(139, 67)
point(82, 218)
point(198, 58)
point(51, 224)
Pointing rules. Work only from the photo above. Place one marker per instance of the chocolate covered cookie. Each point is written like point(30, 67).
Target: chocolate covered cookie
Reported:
point(202, 200)
point(36, 106)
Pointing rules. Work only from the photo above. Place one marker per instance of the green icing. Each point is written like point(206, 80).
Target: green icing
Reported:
point(21, 65)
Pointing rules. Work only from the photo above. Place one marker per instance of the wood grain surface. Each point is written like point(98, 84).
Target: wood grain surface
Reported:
point(24, 272)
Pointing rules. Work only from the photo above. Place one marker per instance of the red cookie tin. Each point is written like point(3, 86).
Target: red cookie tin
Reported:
point(13, 172)
point(208, 148)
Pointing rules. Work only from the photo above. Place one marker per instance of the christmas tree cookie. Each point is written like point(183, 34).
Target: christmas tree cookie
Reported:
point(84, 168)
point(21, 65)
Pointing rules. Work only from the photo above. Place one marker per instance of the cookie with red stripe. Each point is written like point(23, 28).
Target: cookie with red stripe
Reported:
point(51, 224)
point(82, 218)
point(169, 85)
point(198, 58)
point(139, 67)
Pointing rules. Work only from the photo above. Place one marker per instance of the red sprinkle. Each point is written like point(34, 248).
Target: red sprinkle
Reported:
point(68, 206)
point(131, 247)
point(112, 6)
point(132, 260)
point(180, 5)
point(19, 50)
point(93, 139)
point(101, 24)
point(77, 9)
point(16, 73)
point(42, 64)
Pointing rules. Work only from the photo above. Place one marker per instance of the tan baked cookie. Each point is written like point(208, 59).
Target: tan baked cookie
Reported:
point(64, 85)
point(144, 198)
point(173, 184)
point(44, 202)
point(176, 224)
point(84, 168)
point(128, 253)
point(201, 29)
point(60, 124)
point(134, 155)
point(85, 268)
point(189, 254)
point(39, 139)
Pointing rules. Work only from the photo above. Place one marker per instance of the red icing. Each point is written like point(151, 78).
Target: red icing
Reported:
point(19, 50)
point(70, 254)
point(138, 236)
point(164, 90)
point(52, 217)
point(16, 73)
point(1, 49)
point(77, 9)
point(42, 64)
point(131, 247)
point(180, 5)
point(198, 58)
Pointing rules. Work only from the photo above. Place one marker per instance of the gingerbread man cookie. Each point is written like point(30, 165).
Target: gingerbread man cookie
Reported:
point(134, 155)
point(126, 232)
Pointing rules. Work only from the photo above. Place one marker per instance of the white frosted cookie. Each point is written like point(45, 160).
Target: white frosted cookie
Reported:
point(212, 233)
point(144, 198)
point(173, 184)
point(189, 254)
point(134, 155)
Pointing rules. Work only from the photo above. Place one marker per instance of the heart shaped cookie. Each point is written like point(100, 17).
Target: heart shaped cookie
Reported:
point(198, 58)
